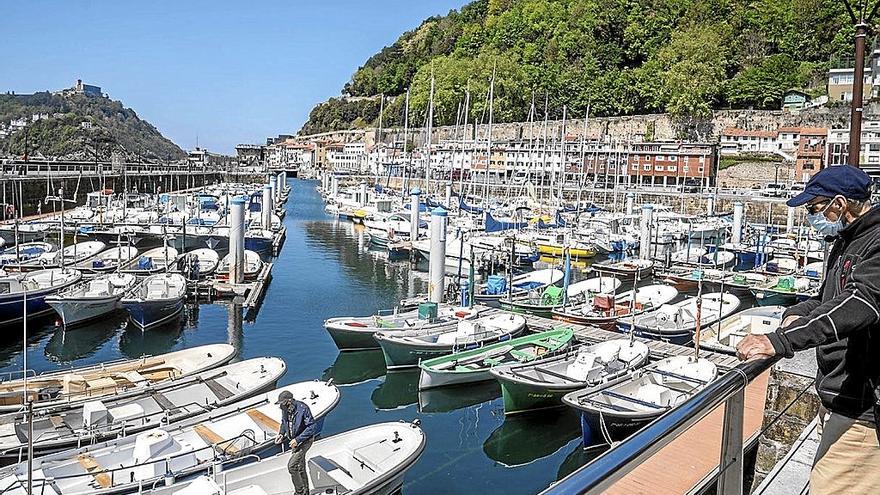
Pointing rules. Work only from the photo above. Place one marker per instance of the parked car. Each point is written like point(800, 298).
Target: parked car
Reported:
point(774, 190)
point(691, 186)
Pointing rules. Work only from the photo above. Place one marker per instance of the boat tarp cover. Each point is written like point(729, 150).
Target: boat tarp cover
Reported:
point(468, 208)
point(493, 225)
point(560, 222)
point(422, 207)
point(496, 285)
point(552, 296)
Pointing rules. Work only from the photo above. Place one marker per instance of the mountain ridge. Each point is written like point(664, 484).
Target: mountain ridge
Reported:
point(79, 126)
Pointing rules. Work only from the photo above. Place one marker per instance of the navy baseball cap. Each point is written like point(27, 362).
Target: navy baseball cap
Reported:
point(838, 180)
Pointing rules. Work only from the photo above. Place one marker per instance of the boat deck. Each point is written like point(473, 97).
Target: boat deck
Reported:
point(696, 453)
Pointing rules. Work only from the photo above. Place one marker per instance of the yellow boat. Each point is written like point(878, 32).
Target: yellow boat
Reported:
point(579, 250)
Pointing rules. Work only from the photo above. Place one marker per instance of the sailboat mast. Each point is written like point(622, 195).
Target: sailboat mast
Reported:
point(467, 102)
point(489, 136)
point(429, 137)
point(405, 139)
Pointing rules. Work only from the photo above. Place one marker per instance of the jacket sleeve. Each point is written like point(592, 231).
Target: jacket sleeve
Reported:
point(804, 308)
point(310, 426)
point(854, 309)
point(285, 420)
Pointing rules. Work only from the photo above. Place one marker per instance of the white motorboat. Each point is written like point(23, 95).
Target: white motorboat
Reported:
point(32, 287)
point(209, 439)
point(156, 300)
point(91, 299)
point(165, 404)
point(77, 385)
point(368, 460)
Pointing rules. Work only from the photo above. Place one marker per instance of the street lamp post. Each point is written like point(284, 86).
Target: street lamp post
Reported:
point(861, 22)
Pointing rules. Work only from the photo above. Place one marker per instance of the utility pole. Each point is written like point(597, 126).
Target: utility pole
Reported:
point(858, 13)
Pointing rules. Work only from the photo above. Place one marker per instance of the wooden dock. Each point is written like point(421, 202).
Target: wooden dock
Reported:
point(690, 462)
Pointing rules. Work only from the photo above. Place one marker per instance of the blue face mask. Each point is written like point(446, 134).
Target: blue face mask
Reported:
point(821, 223)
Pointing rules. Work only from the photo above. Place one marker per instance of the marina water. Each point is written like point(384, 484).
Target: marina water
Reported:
point(326, 269)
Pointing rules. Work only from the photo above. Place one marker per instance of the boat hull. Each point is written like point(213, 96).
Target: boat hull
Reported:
point(12, 310)
point(78, 311)
point(429, 379)
point(521, 397)
point(148, 314)
point(353, 340)
point(405, 355)
point(595, 427)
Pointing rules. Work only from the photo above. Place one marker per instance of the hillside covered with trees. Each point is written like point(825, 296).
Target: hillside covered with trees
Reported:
point(78, 124)
point(619, 57)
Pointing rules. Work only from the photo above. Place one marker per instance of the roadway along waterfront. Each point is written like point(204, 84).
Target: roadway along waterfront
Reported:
point(326, 269)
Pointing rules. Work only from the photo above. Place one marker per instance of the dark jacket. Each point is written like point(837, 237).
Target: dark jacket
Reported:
point(843, 322)
point(297, 422)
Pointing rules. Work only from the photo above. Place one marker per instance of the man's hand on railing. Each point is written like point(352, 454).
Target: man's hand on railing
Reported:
point(755, 347)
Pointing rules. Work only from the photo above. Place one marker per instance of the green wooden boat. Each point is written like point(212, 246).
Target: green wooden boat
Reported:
point(474, 365)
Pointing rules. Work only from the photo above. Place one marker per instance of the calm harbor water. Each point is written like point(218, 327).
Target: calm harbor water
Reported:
point(327, 269)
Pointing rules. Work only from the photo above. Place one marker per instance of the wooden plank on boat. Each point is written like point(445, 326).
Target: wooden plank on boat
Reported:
point(92, 467)
point(696, 453)
point(261, 418)
point(211, 437)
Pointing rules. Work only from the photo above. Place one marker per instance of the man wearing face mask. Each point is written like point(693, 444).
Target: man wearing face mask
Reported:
point(843, 324)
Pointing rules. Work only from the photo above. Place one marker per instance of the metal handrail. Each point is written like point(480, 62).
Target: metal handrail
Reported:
point(600, 474)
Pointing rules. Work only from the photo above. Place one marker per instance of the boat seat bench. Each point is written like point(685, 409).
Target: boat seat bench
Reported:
point(336, 476)
point(214, 439)
point(219, 390)
point(92, 467)
point(264, 420)
point(164, 402)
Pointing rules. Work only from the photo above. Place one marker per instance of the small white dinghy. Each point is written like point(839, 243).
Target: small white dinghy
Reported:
point(252, 265)
point(210, 440)
point(371, 459)
point(676, 322)
point(201, 263)
point(623, 406)
point(759, 320)
point(62, 428)
point(155, 260)
point(156, 300)
point(78, 385)
point(109, 260)
point(541, 384)
point(91, 299)
point(407, 348)
point(70, 255)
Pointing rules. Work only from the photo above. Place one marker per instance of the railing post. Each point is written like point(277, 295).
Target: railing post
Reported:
point(730, 479)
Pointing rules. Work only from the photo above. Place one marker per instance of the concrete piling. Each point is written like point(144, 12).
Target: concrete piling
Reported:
point(236, 240)
point(266, 207)
point(736, 234)
point(437, 263)
point(645, 234)
point(414, 212)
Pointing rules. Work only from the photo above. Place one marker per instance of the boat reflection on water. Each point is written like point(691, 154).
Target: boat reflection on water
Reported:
point(67, 346)
point(352, 368)
point(579, 457)
point(135, 342)
point(446, 399)
point(37, 329)
point(515, 442)
point(400, 389)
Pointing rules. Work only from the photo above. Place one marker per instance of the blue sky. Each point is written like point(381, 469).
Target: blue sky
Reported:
point(225, 71)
